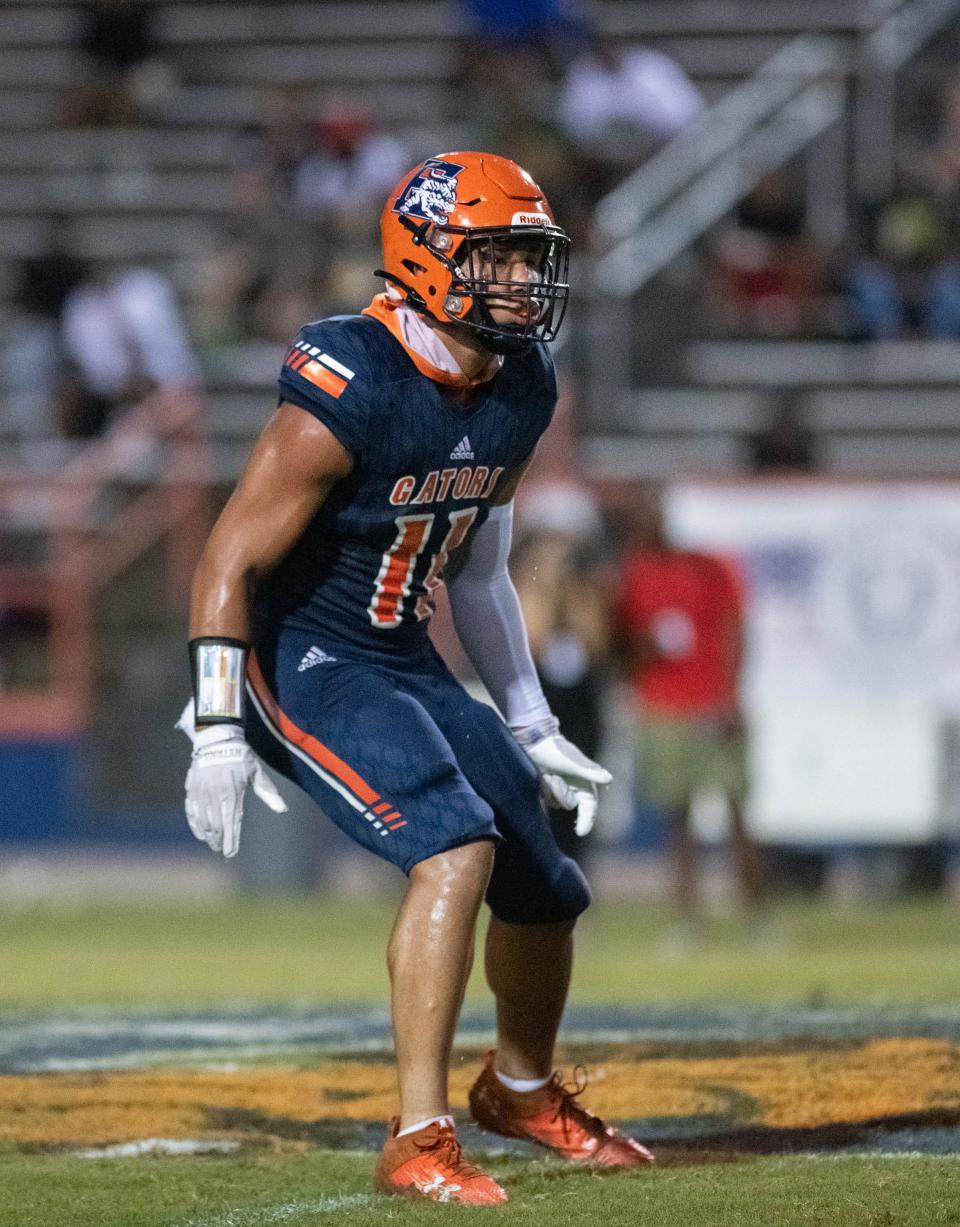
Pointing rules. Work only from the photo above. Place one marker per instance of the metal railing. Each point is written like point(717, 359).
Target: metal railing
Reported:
point(792, 99)
point(158, 453)
point(801, 98)
point(716, 133)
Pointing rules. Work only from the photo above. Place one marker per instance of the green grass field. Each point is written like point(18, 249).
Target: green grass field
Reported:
point(322, 952)
point(325, 1187)
point(310, 951)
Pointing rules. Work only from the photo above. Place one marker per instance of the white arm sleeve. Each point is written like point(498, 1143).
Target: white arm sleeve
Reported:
point(487, 615)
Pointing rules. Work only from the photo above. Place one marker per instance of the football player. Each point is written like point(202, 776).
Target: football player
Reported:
point(389, 468)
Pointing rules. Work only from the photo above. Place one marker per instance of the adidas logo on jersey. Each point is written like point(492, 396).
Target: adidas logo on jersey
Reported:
point(463, 450)
point(315, 656)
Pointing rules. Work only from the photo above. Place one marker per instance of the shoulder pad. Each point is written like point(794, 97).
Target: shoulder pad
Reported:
point(326, 371)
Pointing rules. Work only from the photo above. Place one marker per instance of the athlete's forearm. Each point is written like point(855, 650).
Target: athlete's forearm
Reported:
point(219, 641)
point(238, 550)
point(488, 618)
point(220, 597)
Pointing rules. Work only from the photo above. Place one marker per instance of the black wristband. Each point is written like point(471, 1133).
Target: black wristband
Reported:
point(218, 671)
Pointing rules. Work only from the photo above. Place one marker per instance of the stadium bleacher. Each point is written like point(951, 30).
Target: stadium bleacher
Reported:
point(160, 192)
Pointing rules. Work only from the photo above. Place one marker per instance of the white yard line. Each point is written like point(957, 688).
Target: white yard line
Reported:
point(159, 1146)
point(101, 1039)
point(267, 1215)
point(870, 1155)
point(147, 1058)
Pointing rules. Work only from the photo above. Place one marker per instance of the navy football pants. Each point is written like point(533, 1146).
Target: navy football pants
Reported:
point(404, 761)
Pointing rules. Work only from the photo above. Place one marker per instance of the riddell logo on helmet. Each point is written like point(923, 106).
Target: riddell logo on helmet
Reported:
point(432, 193)
point(530, 219)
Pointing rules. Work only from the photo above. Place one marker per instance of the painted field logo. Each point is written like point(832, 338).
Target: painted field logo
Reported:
point(432, 193)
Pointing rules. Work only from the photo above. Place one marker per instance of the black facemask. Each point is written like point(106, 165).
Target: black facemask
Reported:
point(543, 301)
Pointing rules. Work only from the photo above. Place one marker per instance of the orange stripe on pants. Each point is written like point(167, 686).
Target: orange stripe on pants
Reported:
point(304, 741)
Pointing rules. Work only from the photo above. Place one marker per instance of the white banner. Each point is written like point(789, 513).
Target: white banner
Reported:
point(852, 678)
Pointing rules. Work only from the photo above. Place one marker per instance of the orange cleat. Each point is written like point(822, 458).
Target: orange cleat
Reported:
point(553, 1118)
point(430, 1164)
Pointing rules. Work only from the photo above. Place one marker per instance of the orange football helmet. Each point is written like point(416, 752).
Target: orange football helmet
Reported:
point(446, 226)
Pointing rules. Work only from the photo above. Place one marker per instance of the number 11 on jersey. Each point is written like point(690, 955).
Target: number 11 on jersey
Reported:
point(396, 570)
point(392, 584)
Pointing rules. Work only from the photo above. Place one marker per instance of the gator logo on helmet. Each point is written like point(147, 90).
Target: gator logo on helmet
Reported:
point(432, 193)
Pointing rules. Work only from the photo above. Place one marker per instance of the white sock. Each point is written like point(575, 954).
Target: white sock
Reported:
point(422, 1124)
point(521, 1084)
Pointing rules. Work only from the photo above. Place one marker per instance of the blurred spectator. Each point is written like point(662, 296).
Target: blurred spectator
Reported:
point(539, 145)
point(554, 570)
point(271, 152)
point(943, 156)
point(618, 106)
point(123, 338)
point(339, 189)
point(768, 277)
point(905, 280)
point(613, 109)
point(784, 445)
point(302, 241)
point(512, 61)
point(547, 27)
point(681, 615)
point(349, 166)
point(124, 76)
point(262, 280)
point(33, 352)
point(255, 284)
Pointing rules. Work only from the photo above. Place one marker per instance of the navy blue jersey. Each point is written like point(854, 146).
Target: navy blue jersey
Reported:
point(426, 465)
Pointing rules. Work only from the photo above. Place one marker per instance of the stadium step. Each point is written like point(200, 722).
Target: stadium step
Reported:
point(825, 363)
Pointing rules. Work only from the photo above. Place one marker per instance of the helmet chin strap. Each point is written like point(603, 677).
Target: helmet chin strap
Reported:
point(485, 332)
point(500, 343)
point(463, 333)
point(490, 342)
point(413, 298)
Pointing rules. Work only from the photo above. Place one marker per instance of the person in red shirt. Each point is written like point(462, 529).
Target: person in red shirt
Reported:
point(681, 616)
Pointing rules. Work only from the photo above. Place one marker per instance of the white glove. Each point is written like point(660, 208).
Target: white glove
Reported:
point(568, 779)
point(221, 768)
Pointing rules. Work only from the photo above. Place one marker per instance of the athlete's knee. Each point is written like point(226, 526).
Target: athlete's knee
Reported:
point(572, 894)
point(464, 869)
point(561, 897)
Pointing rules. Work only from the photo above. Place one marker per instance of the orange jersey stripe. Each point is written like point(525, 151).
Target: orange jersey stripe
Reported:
point(399, 568)
point(309, 744)
point(322, 377)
